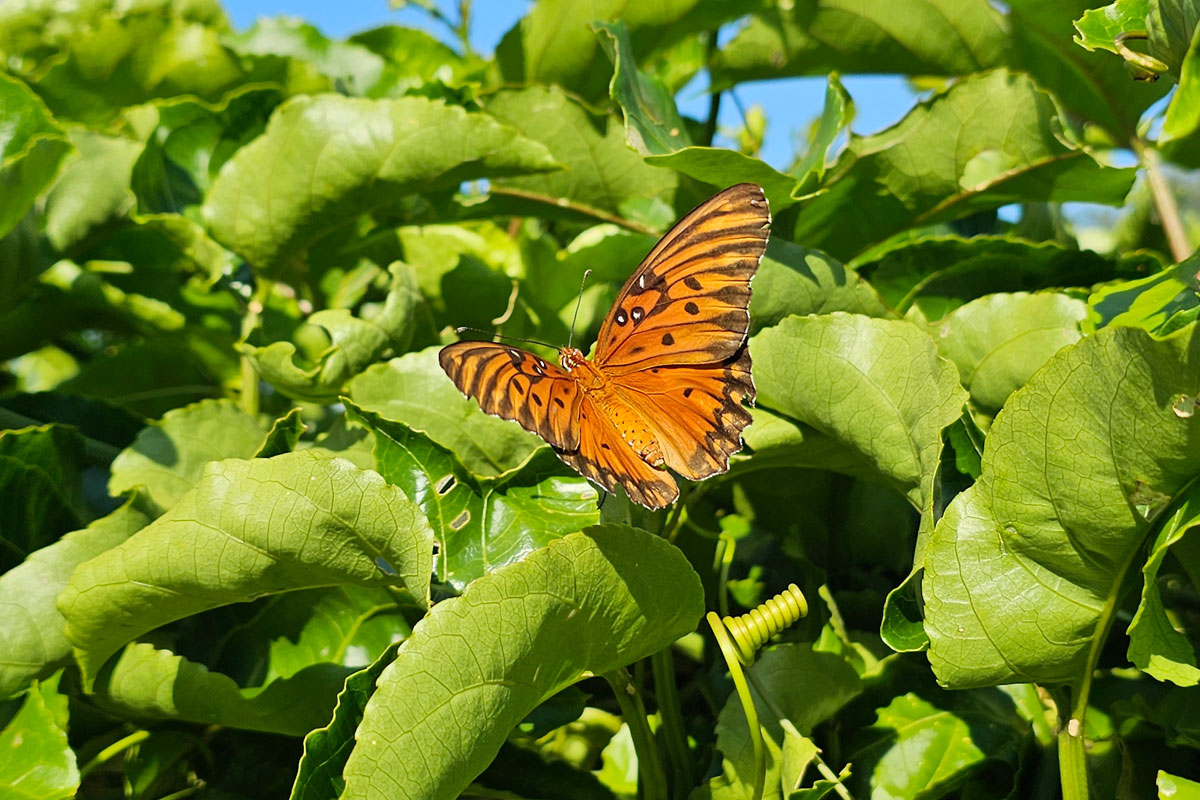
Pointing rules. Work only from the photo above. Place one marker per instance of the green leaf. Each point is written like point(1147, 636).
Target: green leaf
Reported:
point(836, 116)
point(168, 457)
point(32, 146)
point(721, 167)
point(1150, 303)
point(192, 140)
point(1095, 86)
point(913, 175)
point(252, 528)
point(31, 628)
point(285, 433)
point(600, 171)
point(93, 190)
point(1155, 646)
point(652, 122)
point(136, 54)
point(926, 750)
point(354, 343)
point(1026, 564)
point(413, 58)
point(35, 759)
point(326, 749)
point(1172, 25)
point(795, 280)
point(133, 685)
point(272, 222)
point(481, 524)
point(41, 489)
point(916, 37)
point(803, 688)
point(415, 391)
point(937, 274)
point(1100, 27)
point(1180, 137)
point(999, 341)
point(352, 68)
point(847, 376)
point(555, 44)
point(616, 594)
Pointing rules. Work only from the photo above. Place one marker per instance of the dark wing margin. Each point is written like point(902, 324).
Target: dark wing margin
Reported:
point(515, 384)
point(688, 301)
point(606, 460)
point(695, 412)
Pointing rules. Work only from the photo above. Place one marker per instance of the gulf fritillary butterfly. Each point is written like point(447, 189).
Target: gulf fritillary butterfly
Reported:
point(671, 368)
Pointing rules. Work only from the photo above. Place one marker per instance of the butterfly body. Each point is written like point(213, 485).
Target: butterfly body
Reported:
point(671, 370)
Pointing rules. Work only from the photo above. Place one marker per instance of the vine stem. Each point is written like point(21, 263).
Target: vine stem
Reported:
point(650, 768)
point(250, 394)
point(714, 98)
point(113, 750)
point(663, 665)
point(1164, 200)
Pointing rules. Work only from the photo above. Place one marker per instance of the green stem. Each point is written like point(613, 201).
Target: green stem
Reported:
point(650, 768)
point(113, 750)
point(1072, 757)
point(1164, 201)
point(729, 652)
point(714, 98)
point(250, 393)
point(667, 693)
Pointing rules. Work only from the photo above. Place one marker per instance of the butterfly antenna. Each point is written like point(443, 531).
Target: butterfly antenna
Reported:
point(503, 336)
point(578, 302)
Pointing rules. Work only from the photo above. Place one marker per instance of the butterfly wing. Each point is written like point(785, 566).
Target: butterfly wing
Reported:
point(687, 303)
point(604, 458)
point(514, 384)
point(695, 412)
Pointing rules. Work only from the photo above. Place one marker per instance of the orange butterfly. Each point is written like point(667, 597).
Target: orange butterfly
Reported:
point(671, 368)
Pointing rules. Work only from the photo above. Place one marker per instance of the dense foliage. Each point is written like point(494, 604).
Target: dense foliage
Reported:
point(253, 540)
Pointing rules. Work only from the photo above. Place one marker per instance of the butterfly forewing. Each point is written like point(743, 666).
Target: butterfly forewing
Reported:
point(514, 384)
point(687, 303)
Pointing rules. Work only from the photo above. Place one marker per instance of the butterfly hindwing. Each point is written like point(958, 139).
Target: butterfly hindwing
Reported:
point(695, 412)
point(604, 458)
point(515, 384)
point(687, 303)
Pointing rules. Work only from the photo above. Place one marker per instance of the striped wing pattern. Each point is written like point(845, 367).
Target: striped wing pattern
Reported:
point(515, 384)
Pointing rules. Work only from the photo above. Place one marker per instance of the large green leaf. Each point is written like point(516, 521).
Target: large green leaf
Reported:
point(721, 167)
point(854, 378)
point(1155, 645)
point(1024, 571)
point(357, 156)
point(36, 761)
point(601, 173)
point(93, 190)
point(616, 594)
point(913, 175)
point(919, 37)
point(794, 280)
point(41, 494)
point(1155, 303)
point(157, 684)
point(257, 527)
point(1094, 86)
point(326, 749)
point(413, 58)
point(31, 627)
point(937, 274)
point(352, 68)
point(32, 146)
point(555, 43)
point(169, 455)
point(999, 341)
point(415, 391)
point(481, 524)
point(924, 749)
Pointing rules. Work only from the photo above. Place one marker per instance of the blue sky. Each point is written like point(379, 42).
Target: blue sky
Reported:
point(790, 104)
